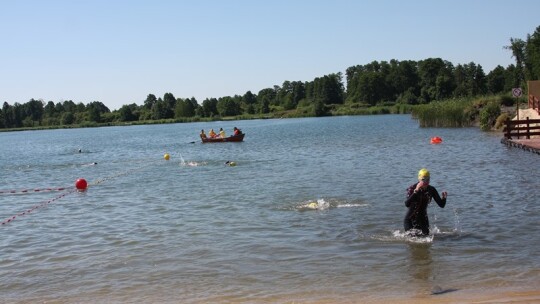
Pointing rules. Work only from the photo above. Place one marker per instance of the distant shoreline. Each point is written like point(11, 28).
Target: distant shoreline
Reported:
point(477, 112)
point(173, 121)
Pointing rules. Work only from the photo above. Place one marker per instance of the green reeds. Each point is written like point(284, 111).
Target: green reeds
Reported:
point(452, 113)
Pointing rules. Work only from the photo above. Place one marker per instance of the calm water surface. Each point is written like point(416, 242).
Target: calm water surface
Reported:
point(193, 230)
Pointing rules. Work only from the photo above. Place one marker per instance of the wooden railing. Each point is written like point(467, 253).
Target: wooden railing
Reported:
point(534, 103)
point(521, 128)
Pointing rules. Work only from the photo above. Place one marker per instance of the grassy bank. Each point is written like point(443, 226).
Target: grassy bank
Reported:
point(448, 113)
point(486, 112)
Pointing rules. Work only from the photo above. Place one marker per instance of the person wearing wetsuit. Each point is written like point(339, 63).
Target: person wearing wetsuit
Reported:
point(419, 195)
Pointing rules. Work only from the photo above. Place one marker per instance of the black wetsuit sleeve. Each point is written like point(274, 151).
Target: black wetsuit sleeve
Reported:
point(435, 194)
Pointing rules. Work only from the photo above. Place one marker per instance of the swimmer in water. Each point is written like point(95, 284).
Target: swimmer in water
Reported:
point(419, 195)
point(309, 205)
point(312, 205)
point(230, 163)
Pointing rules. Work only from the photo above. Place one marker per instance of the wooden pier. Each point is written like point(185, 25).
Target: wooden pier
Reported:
point(523, 134)
point(531, 145)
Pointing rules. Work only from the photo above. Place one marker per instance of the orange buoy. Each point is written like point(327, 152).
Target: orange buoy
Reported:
point(436, 140)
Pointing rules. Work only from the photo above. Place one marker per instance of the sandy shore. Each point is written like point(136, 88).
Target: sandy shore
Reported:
point(468, 296)
point(449, 297)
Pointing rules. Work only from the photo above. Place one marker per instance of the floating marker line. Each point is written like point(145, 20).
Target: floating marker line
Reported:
point(32, 190)
point(70, 190)
point(43, 204)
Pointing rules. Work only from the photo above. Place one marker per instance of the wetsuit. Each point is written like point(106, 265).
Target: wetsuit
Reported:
point(417, 202)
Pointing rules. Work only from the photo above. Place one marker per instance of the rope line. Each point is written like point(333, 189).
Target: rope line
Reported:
point(32, 190)
point(45, 203)
point(99, 181)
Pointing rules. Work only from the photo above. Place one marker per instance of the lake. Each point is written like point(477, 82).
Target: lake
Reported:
point(193, 230)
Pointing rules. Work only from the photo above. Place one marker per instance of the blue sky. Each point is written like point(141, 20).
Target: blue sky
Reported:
point(119, 51)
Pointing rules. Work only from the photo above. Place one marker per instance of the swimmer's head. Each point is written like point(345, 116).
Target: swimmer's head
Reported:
point(423, 175)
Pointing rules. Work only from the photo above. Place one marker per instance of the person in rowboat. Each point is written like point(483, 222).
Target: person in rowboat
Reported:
point(236, 131)
point(419, 195)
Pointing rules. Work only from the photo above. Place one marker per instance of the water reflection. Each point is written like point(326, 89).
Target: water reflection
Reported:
point(421, 262)
point(420, 267)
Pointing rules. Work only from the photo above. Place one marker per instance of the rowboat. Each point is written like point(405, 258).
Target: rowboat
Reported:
point(234, 138)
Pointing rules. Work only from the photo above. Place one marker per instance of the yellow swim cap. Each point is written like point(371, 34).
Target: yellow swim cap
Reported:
point(423, 173)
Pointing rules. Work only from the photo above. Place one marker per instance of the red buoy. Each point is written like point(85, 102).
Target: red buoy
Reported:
point(81, 184)
point(436, 140)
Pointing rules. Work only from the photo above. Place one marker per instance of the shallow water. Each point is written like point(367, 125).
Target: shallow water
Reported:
point(193, 230)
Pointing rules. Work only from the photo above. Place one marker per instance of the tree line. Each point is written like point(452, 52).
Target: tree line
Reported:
point(405, 82)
